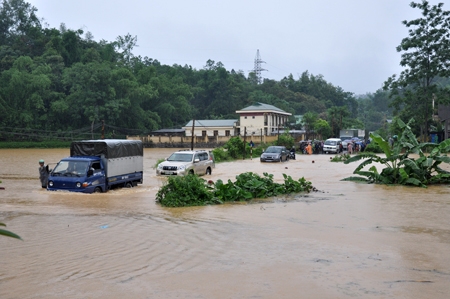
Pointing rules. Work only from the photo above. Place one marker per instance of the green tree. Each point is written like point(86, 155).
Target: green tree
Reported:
point(18, 21)
point(24, 90)
point(286, 140)
point(322, 128)
point(92, 97)
point(309, 119)
point(337, 119)
point(426, 57)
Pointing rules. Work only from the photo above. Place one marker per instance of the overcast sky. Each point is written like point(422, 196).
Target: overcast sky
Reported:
point(351, 43)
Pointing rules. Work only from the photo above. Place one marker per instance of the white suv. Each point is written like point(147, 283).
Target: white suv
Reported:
point(187, 162)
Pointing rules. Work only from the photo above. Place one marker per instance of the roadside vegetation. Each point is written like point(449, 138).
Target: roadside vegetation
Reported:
point(236, 148)
point(34, 144)
point(399, 166)
point(7, 233)
point(192, 190)
point(340, 158)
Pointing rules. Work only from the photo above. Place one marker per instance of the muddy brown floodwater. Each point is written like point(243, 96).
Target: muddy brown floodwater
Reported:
point(347, 241)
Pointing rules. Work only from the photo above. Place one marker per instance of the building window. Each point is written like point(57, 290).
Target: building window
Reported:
point(216, 133)
point(245, 117)
point(253, 117)
point(227, 132)
point(203, 133)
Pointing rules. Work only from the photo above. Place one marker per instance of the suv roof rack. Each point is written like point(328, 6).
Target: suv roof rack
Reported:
point(188, 150)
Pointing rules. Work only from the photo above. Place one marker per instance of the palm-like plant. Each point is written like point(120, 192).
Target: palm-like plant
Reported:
point(7, 233)
point(4, 232)
point(400, 168)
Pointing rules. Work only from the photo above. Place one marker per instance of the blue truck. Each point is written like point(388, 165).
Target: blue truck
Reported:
point(96, 166)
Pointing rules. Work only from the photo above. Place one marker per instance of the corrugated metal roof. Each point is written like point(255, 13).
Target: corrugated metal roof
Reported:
point(169, 131)
point(262, 107)
point(213, 123)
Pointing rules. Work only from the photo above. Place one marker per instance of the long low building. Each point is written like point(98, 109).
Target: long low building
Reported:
point(215, 127)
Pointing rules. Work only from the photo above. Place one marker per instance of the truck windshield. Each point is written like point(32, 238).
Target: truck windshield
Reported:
point(180, 157)
point(71, 168)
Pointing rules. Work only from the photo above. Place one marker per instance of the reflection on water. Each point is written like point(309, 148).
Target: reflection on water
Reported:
point(348, 240)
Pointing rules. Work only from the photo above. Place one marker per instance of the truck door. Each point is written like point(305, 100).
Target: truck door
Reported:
point(97, 176)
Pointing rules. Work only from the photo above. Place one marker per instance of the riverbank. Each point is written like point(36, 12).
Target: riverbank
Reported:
point(35, 144)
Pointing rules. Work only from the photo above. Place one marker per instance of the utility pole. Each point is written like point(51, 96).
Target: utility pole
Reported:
point(245, 142)
point(92, 130)
point(192, 139)
point(103, 129)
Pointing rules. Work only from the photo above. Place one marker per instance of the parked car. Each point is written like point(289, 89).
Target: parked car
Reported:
point(275, 154)
point(184, 162)
point(332, 145)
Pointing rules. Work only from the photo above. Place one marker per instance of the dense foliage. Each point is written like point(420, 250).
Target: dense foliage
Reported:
point(236, 148)
point(399, 166)
point(426, 59)
point(61, 84)
point(192, 190)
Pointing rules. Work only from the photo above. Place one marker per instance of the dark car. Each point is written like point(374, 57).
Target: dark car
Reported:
point(275, 154)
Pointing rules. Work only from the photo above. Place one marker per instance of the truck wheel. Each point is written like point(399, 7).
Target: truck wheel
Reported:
point(208, 171)
point(128, 185)
point(98, 190)
point(191, 171)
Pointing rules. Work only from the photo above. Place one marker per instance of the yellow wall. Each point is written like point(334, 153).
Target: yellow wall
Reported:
point(214, 140)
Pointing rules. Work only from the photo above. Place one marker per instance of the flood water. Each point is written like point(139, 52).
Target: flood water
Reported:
point(348, 240)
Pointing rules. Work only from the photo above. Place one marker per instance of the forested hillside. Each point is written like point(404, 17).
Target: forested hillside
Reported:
point(60, 82)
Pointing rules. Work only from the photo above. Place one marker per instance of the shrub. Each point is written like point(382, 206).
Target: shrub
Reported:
point(400, 168)
point(286, 140)
point(189, 190)
point(373, 147)
point(160, 160)
point(193, 191)
point(220, 154)
point(235, 147)
point(340, 158)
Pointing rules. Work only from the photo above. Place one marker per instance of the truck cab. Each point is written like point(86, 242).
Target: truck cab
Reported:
point(78, 174)
point(98, 166)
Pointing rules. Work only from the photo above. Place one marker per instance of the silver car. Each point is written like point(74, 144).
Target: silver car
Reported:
point(275, 154)
point(187, 162)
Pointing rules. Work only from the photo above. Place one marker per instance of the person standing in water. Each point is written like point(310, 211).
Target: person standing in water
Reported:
point(43, 173)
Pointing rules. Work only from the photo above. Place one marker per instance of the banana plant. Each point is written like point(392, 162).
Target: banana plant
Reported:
point(4, 232)
point(399, 167)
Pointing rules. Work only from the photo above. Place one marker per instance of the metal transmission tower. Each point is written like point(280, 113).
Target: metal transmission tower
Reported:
point(258, 69)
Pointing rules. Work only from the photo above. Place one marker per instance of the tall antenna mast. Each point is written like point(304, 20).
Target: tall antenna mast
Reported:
point(258, 69)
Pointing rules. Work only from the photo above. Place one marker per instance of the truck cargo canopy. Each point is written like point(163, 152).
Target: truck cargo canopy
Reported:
point(110, 148)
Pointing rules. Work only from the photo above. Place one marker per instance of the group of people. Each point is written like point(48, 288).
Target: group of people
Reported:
point(354, 147)
point(311, 147)
point(316, 147)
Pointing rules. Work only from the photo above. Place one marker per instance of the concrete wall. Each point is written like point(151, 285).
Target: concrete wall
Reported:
point(199, 141)
point(209, 131)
